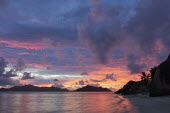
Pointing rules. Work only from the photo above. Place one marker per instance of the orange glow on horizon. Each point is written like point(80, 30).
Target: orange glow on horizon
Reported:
point(25, 82)
point(122, 76)
point(41, 66)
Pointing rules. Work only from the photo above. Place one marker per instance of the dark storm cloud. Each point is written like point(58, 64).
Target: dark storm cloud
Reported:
point(27, 76)
point(58, 85)
point(3, 65)
point(3, 2)
point(133, 25)
point(40, 19)
point(81, 82)
point(84, 73)
point(55, 80)
point(111, 77)
point(101, 30)
point(107, 77)
point(20, 65)
point(10, 73)
point(5, 77)
point(3, 73)
point(95, 85)
point(135, 29)
point(96, 80)
point(133, 64)
point(8, 81)
point(151, 23)
point(99, 33)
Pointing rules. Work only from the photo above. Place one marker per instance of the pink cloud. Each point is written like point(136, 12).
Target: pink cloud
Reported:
point(26, 45)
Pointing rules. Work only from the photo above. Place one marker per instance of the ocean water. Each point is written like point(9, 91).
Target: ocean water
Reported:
point(78, 102)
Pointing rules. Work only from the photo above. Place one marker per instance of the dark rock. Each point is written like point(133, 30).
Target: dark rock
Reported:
point(158, 86)
point(132, 87)
point(119, 91)
point(92, 89)
point(3, 89)
point(159, 92)
point(161, 80)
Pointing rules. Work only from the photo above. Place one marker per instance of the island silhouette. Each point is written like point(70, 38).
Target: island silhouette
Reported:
point(87, 88)
point(34, 88)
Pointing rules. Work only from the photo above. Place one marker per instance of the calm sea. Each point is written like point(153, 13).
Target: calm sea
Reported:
point(72, 102)
point(80, 102)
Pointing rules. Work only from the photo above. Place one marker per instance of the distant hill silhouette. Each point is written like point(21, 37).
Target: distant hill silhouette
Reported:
point(34, 88)
point(92, 89)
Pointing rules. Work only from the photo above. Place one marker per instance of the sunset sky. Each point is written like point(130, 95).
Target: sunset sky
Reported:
point(72, 43)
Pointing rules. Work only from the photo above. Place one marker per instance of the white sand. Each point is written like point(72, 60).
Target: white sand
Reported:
point(146, 104)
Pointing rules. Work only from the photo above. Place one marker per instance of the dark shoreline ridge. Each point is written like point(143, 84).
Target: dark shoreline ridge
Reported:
point(92, 89)
point(158, 86)
point(133, 87)
point(55, 89)
point(34, 88)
